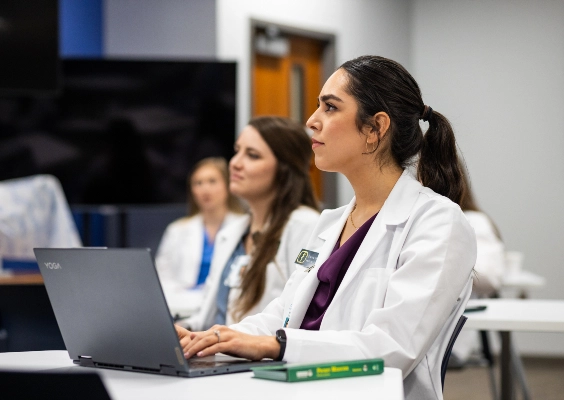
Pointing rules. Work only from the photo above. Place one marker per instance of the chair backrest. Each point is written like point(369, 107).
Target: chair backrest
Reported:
point(34, 213)
point(448, 351)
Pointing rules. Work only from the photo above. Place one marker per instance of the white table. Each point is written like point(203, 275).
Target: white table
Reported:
point(139, 386)
point(508, 315)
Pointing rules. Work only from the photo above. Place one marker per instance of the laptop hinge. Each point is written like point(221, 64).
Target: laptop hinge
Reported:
point(86, 361)
point(168, 370)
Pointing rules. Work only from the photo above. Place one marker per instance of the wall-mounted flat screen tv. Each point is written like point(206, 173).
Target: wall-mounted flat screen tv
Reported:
point(122, 131)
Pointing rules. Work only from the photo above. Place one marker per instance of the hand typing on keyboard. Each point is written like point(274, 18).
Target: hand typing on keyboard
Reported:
point(221, 339)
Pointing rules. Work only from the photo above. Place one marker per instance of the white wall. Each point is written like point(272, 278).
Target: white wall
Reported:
point(361, 26)
point(496, 69)
point(159, 29)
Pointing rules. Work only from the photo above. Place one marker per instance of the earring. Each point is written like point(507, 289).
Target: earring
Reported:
point(373, 148)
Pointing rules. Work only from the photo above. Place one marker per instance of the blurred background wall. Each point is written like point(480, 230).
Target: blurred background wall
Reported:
point(494, 68)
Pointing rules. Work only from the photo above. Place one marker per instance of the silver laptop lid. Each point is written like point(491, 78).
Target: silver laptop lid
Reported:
point(111, 309)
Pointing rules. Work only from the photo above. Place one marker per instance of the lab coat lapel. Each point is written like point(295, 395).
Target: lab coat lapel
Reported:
point(305, 291)
point(367, 247)
point(332, 234)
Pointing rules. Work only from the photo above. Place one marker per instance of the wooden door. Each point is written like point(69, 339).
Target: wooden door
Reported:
point(288, 86)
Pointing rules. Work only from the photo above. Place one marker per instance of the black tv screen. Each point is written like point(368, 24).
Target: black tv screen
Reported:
point(122, 131)
point(29, 46)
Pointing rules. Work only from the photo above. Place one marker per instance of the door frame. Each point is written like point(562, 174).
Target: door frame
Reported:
point(328, 63)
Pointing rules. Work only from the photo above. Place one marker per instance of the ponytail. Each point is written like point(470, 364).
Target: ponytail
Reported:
point(439, 166)
point(379, 84)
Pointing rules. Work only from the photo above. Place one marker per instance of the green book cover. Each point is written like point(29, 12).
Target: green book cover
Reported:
point(329, 370)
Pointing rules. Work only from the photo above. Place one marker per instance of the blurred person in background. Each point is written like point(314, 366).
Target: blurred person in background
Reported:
point(490, 261)
point(488, 271)
point(184, 255)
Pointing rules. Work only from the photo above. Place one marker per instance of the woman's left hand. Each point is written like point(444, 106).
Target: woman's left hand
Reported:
point(221, 339)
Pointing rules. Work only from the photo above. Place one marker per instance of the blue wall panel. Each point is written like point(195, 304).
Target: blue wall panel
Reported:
point(81, 28)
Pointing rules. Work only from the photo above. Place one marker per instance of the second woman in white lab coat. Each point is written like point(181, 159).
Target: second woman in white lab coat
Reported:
point(254, 256)
point(390, 273)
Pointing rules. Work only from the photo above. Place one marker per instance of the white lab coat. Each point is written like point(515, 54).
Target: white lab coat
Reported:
point(490, 261)
point(400, 298)
point(488, 273)
point(294, 238)
point(179, 255)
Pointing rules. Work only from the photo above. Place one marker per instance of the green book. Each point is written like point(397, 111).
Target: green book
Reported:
point(329, 370)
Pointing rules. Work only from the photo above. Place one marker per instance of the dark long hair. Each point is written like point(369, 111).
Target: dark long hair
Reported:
point(468, 202)
point(379, 84)
point(292, 148)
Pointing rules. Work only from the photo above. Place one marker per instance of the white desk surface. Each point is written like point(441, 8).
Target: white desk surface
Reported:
point(139, 386)
point(528, 315)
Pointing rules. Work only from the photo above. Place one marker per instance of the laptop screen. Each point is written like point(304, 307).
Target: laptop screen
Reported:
point(112, 313)
point(110, 307)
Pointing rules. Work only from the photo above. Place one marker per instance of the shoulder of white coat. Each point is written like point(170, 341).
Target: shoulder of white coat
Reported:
point(434, 211)
point(236, 225)
point(233, 218)
point(444, 210)
point(430, 197)
point(301, 222)
point(304, 215)
point(327, 219)
point(477, 219)
point(430, 202)
point(185, 223)
point(482, 224)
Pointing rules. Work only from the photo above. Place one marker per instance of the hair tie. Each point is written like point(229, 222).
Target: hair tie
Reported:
point(426, 114)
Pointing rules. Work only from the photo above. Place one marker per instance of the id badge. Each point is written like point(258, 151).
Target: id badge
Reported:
point(307, 259)
point(233, 280)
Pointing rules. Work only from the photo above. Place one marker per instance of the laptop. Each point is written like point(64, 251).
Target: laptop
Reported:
point(112, 313)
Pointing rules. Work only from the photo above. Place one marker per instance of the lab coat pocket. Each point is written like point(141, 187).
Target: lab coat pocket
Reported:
point(370, 286)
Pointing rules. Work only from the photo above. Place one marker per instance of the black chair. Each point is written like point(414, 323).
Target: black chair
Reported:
point(488, 361)
point(448, 351)
point(518, 370)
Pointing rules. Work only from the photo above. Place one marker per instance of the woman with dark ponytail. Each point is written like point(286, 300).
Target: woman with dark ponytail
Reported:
point(391, 271)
